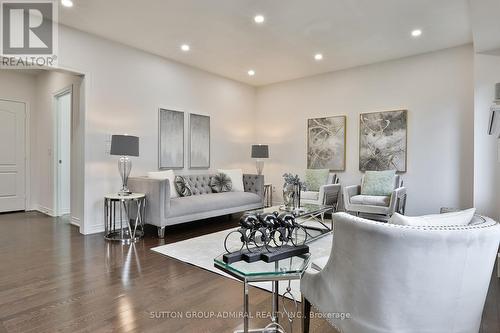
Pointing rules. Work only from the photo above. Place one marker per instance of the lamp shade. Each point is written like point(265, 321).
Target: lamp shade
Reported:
point(124, 145)
point(260, 151)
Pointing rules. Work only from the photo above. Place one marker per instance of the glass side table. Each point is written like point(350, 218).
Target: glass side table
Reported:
point(283, 270)
point(127, 233)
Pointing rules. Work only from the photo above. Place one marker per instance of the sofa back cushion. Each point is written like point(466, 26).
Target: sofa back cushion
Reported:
point(199, 184)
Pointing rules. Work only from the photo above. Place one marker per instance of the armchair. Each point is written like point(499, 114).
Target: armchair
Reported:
point(375, 207)
point(390, 278)
point(328, 194)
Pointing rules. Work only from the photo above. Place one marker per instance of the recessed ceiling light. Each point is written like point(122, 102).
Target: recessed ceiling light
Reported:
point(318, 57)
point(259, 19)
point(67, 3)
point(185, 47)
point(251, 72)
point(416, 33)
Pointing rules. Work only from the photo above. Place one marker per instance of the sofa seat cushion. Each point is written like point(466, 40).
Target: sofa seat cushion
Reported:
point(309, 195)
point(371, 200)
point(209, 202)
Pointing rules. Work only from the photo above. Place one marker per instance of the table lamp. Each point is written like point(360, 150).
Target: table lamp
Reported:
point(124, 146)
point(260, 152)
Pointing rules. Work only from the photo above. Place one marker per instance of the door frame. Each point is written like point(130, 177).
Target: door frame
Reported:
point(55, 145)
point(27, 151)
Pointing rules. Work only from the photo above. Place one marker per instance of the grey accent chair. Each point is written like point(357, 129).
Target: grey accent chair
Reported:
point(394, 278)
point(379, 208)
point(328, 194)
point(163, 211)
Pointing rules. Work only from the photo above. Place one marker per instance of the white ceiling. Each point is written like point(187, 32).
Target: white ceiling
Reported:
point(225, 40)
point(486, 26)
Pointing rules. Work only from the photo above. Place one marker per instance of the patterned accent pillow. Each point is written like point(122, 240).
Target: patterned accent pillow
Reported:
point(221, 183)
point(315, 178)
point(379, 183)
point(182, 186)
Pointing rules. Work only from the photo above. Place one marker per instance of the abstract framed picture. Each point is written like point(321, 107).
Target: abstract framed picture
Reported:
point(171, 139)
point(199, 141)
point(383, 141)
point(326, 143)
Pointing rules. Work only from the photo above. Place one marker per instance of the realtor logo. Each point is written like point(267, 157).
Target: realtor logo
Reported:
point(29, 29)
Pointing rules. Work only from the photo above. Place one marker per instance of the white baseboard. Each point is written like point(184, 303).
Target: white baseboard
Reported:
point(93, 229)
point(45, 210)
point(75, 221)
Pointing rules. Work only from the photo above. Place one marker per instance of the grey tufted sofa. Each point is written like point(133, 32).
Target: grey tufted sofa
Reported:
point(162, 211)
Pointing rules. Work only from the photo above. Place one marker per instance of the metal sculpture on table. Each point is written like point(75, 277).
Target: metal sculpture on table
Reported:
point(266, 237)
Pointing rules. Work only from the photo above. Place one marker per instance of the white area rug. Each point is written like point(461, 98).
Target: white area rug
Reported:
point(201, 251)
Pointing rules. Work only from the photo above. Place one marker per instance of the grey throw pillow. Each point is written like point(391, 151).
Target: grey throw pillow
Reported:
point(182, 186)
point(221, 183)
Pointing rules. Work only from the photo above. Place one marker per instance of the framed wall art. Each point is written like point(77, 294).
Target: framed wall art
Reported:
point(326, 143)
point(171, 139)
point(383, 141)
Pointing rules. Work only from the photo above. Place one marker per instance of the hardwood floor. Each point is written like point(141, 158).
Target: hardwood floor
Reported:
point(52, 279)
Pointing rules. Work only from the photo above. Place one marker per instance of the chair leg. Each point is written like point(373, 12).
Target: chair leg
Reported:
point(306, 315)
point(161, 232)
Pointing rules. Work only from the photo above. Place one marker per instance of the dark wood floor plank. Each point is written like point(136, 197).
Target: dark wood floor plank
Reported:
point(52, 279)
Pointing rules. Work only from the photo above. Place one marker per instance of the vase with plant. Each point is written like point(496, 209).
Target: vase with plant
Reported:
point(291, 191)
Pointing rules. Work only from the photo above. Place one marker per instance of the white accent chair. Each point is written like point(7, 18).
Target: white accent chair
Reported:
point(393, 278)
point(375, 207)
point(328, 194)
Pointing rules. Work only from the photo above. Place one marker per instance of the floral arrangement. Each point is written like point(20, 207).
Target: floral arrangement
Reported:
point(294, 180)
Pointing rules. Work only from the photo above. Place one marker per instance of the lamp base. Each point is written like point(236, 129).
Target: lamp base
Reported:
point(259, 164)
point(124, 193)
point(124, 166)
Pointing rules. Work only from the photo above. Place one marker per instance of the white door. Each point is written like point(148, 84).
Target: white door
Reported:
point(12, 156)
point(63, 105)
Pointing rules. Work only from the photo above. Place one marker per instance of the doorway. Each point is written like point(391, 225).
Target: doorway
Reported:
point(62, 152)
point(12, 156)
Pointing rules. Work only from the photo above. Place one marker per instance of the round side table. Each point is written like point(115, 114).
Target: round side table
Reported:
point(117, 230)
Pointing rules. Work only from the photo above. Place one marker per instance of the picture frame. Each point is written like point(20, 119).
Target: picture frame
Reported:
point(170, 139)
point(199, 141)
point(326, 143)
point(383, 141)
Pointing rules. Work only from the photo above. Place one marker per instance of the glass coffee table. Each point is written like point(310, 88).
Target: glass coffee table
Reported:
point(306, 213)
point(283, 270)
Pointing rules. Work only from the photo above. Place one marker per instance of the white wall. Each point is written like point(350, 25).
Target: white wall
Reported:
point(437, 90)
point(487, 165)
point(124, 89)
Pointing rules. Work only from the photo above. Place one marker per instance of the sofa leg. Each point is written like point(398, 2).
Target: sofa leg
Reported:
point(306, 315)
point(161, 232)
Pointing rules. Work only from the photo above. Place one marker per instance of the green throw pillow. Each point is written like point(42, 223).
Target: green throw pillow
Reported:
point(379, 183)
point(315, 178)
